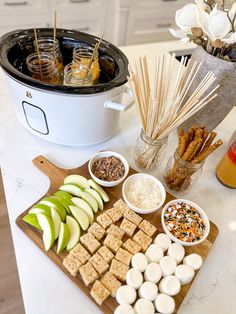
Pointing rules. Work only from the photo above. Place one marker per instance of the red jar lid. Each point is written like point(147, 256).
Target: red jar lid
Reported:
point(232, 152)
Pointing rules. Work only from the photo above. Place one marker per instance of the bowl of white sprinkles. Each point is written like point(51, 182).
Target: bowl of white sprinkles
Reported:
point(185, 222)
point(143, 193)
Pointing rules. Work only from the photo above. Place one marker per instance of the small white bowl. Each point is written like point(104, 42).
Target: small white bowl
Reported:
point(201, 212)
point(136, 177)
point(108, 154)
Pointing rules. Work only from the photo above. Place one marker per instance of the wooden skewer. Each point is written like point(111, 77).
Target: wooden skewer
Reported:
point(94, 52)
point(55, 25)
point(37, 45)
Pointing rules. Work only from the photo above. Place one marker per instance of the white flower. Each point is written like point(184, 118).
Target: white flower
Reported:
point(231, 39)
point(186, 18)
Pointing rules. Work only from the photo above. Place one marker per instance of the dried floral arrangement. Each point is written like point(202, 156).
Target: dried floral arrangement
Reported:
point(210, 25)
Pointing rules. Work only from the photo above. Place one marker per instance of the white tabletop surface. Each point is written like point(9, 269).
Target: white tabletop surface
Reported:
point(46, 289)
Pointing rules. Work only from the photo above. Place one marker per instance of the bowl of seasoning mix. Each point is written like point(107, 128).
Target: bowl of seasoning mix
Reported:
point(185, 222)
point(143, 193)
point(108, 168)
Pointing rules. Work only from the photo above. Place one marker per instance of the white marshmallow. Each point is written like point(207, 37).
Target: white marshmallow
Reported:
point(163, 240)
point(139, 262)
point(184, 273)
point(153, 272)
point(124, 309)
point(193, 260)
point(165, 304)
point(170, 285)
point(125, 294)
point(143, 306)
point(154, 253)
point(148, 291)
point(168, 265)
point(134, 278)
point(176, 251)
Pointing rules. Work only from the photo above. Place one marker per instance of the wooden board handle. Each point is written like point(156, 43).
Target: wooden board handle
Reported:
point(54, 173)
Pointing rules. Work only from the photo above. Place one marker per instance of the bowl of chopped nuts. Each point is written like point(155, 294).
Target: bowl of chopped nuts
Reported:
point(185, 222)
point(108, 168)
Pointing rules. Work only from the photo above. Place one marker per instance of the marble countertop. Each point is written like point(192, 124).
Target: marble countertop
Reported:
point(45, 288)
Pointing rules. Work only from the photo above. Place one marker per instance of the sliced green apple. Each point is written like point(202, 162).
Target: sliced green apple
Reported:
point(32, 220)
point(64, 202)
point(56, 219)
point(79, 202)
point(99, 189)
point(53, 202)
point(71, 188)
point(47, 226)
point(64, 195)
point(97, 196)
point(74, 230)
point(90, 200)
point(63, 239)
point(40, 209)
point(80, 216)
point(78, 180)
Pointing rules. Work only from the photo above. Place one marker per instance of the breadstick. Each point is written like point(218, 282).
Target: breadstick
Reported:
point(189, 150)
point(210, 140)
point(199, 143)
point(183, 143)
point(180, 133)
point(206, 152)
point(204, 137)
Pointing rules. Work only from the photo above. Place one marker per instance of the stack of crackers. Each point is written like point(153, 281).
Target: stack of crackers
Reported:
point(103, 256)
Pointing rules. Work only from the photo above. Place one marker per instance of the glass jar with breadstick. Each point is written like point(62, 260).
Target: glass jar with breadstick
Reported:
point(164, 106)
point(184, 168)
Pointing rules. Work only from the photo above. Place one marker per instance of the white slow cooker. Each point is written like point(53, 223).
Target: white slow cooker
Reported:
point(64, 114)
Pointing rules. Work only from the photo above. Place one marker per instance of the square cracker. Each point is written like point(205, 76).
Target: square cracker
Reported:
point(128, 227)
point(115, 231)
point(88, 273)
point(132, 216)
point(123, 256)
point(104, 220)
point(72, 264)
point(118, 269)
point(121, 206)
point(112, 243)
point(144, 240)
point(131, 246)
point(99, 292)
point(115, 214)
point(111, 283)
point(98, 263)
point(147, 227)
point(106, 254)
point(89, 241)
point(97, 231)
point(80, 253)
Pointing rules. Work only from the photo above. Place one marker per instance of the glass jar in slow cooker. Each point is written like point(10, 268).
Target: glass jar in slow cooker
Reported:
point(83, 55)
point(43, 69)
point(77, 75)
point(51, 45)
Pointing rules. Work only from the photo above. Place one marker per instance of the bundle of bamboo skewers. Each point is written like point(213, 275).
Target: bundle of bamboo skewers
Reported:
point(165, 106)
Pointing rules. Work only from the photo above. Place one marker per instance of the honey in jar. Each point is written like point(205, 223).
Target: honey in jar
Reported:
point(226, 169)
point(83, 56)
point(43, 69)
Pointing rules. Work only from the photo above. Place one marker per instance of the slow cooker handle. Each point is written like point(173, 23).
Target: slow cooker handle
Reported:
point(111, 104)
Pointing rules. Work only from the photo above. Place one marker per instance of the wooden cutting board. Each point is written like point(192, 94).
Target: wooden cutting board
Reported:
point(56, 176)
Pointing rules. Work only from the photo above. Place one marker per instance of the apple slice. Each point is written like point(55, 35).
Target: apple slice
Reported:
point(52, 202)
point(40, 209)
point(79, 202)
point(32, 220)
point(63, 238)
point(74, 230)
point(99, 189)
point(80, 216)
point(78, 180)
point(47, 226)
point(96, 195)
point(56, 219)
point(64, 202)
point(64, 195)
point(90, 200)
point(71, 188)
